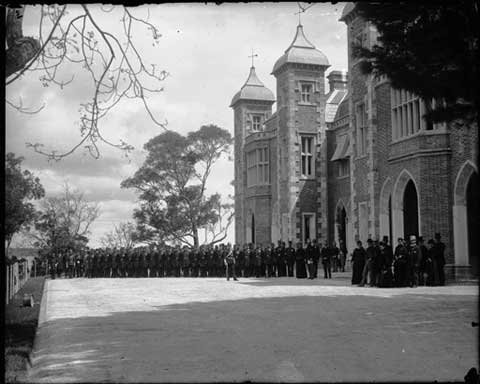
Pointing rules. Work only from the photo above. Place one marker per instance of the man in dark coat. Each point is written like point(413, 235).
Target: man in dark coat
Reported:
point(310, 256)
point(326, 255)
point(316, 257)
point(300, 269)
point(439, 257)
point(229, 262)
point(247, 255)
point(400, 264)
point(359, 257)
point(290, 253)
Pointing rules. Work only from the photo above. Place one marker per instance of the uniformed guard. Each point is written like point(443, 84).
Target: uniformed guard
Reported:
point(290, 254)
point(219, 260)
point(301, 271)
point(310, 256)
point(438, 252)
point(229, 261)
point(326, 256)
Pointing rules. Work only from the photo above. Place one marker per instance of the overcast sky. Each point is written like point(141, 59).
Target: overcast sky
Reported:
point(205, 49)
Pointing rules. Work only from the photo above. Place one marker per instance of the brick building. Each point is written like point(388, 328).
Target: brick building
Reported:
point(357, 162)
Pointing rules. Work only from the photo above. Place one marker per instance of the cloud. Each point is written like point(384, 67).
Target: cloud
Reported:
point(205, 48)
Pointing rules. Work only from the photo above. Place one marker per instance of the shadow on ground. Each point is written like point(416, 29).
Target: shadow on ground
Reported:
point(352, 338)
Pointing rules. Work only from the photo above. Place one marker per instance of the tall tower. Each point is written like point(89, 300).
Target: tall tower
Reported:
point(252, 106)
point(301, 204)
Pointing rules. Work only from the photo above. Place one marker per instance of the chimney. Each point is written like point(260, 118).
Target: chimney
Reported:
point(337, 80)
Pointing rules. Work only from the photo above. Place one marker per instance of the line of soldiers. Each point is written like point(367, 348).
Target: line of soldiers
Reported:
point(410, 265)
point(206, 261)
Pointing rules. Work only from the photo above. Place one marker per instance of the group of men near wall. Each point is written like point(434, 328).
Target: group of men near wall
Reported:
point(411, 264)
point(207, 261)
point(378, 265)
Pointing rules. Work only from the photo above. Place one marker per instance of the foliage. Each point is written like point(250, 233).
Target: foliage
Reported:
point(65, 221)
point(72, 38)
point(20, 188)
point(172, 183)
point(122, 236)
point(430, 49)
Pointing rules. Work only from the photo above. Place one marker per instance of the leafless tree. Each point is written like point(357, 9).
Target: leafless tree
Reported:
point(74, 34)
point(65, 221)
point(120, 237)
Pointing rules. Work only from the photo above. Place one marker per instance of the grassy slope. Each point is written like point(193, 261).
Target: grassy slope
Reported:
point(20, 326)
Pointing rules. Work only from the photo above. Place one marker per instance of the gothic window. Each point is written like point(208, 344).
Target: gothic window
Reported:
point(263, 166)
point(307, 156)
point(407, 114)
point(361, 123)
point(306, 90)
point(343, 167)
point(258, 171)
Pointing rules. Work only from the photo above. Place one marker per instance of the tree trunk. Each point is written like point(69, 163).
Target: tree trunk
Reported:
point(20, 49)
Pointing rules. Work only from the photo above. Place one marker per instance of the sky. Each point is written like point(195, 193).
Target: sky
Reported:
point(205, 49)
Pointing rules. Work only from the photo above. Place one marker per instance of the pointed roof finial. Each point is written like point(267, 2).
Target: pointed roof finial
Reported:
point(252, 56)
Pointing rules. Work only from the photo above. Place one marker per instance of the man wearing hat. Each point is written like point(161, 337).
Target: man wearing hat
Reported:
point(229, 262)
point(413, 262)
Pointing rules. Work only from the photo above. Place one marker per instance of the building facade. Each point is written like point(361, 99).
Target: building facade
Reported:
point(357, 162)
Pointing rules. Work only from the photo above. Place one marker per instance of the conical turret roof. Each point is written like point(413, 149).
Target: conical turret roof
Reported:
point(301, 51)
point(253, 89)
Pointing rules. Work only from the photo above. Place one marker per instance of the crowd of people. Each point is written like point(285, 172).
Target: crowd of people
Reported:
point(410, 264)
point(206, 261)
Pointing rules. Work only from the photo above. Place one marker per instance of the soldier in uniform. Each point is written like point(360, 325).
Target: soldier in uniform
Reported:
point(258, 261)
point(229, 262)
point(290, 252)
point(335, 257)
point(239, 259)
point(316, 257)
point(268, 260)
point(203, 262)
point(247, 259)
point(326, 255)
point(309, 257)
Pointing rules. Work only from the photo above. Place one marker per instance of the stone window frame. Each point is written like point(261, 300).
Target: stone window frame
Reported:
point(302, 100)
point(307, 156)
point(257, 126)
point(407, 110)
point(343, 168)
point(258, 166)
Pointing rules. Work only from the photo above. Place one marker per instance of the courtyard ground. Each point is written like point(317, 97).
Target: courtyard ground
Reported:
point(284, 329)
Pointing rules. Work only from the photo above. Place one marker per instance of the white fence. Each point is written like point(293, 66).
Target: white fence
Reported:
point(17, 275)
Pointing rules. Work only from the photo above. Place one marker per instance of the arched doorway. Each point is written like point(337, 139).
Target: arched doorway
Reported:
point(405, 213)
point(410, 210)
point(341, 226)
point(473, 221)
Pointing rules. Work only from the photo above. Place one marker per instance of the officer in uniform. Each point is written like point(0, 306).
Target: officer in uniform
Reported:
point(229, 262)
point(309, 256)
point(326, 261)
point(247, 257)
point(258, 261)
point(316, 257)
point(290, 259)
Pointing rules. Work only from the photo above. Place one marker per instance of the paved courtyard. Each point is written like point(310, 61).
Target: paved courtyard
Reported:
point(208, 329)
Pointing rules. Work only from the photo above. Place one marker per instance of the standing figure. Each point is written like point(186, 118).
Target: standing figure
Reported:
point(290, 255)
point(258, 261)
point(367, 274)
point(229, 262)
point(359, 256)
point(301, 270)
point(309, 257)
point(342, 255)
point(326, 254)
point(335, 257)
point(413, 263)
point(267, 260)
point(400, 264)
point(439, 257)
point(247, 254)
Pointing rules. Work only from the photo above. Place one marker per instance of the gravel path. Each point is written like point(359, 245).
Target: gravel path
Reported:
point(204, 330)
